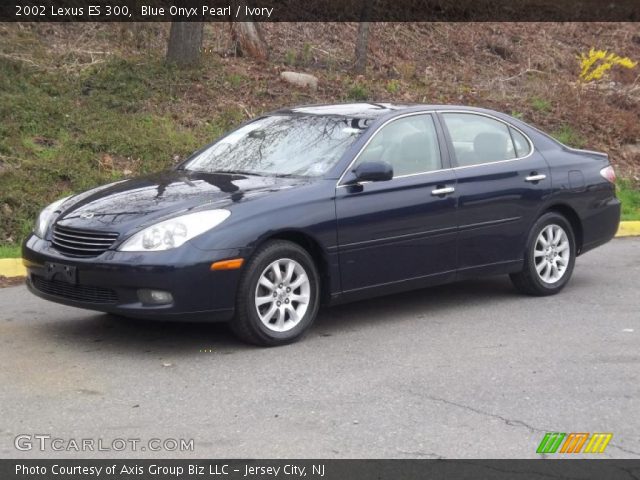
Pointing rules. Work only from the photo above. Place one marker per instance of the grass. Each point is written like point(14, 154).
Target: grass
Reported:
point(236, 80)
point(10, 251)
point(630, 198)
point(541, 105)
point(302, 58)
point(64, 133)
point(568, 136)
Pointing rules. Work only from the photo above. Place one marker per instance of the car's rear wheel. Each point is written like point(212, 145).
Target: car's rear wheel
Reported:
point(278, 295)
point(549, 257)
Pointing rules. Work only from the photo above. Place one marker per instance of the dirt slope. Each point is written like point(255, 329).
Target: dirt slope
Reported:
point(87, 103)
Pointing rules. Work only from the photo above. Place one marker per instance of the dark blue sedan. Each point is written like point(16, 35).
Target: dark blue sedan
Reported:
point(325, 204)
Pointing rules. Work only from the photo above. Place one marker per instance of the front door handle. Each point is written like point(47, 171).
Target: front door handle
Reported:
point(535, 178)
point(442, 191)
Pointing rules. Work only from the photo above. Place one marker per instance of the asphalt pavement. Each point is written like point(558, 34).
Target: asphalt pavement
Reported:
point(468, 370)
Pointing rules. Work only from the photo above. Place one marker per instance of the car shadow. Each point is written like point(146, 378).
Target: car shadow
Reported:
point(424, 303)
point(104, 331)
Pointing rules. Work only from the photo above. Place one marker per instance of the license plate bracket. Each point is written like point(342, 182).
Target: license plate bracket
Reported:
point(61, 272)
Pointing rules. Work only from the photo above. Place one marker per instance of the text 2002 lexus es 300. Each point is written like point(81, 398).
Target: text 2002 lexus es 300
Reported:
point(324, 204)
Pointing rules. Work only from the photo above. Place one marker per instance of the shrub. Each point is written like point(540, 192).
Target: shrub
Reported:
point(595, 64)
point(358, 92)
point(393, 86)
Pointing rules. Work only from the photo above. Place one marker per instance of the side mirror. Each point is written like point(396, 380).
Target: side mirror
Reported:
point(373, 172)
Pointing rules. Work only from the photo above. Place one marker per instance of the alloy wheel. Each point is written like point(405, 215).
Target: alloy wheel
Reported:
point(552, 253)
point(282, 295)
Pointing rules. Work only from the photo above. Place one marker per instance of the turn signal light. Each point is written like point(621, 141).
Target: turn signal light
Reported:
point(609, 174)
point(233, 264)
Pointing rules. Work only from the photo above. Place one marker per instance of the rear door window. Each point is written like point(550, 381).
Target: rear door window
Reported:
point(478, 139)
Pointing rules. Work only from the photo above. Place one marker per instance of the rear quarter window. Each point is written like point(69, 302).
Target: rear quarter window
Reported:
point(520, 143)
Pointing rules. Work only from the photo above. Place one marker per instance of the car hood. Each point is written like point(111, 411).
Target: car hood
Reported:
point(128, 204)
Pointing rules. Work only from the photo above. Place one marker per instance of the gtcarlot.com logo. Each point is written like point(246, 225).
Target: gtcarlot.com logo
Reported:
point(44, 443)
point(574, 442)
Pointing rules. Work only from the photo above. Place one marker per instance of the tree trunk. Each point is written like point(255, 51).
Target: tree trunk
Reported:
point(362, 42)
point(185, 42)
point(248, 40)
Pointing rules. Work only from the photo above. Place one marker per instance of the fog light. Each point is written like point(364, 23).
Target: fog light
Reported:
point(154, 297)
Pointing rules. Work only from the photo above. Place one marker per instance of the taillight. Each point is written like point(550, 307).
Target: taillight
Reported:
point(609, 173)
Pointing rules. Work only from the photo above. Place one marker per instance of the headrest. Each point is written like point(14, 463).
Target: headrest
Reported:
point(490, 147)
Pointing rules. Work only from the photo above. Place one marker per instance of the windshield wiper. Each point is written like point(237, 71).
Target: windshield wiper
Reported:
point(255, 174)
point(290, 175)
point(239, 172)
point(230, 172)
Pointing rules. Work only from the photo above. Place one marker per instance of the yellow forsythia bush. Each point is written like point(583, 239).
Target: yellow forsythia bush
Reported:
point(596, 63)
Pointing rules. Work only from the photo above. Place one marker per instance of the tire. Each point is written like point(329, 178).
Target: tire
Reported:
point(282, 316)
point(538, 277)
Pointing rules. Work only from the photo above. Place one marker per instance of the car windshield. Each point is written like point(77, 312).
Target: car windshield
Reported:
point(282, 145)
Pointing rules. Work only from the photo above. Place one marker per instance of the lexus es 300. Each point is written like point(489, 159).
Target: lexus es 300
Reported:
point(326, 204)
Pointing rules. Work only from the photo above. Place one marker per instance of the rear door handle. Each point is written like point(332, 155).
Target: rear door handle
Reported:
point(535, 178)
point(443, 191)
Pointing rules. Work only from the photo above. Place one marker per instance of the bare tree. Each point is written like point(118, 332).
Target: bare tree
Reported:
point(185, 42)
point(248, 40)
point(362, 45)
point(362, 42)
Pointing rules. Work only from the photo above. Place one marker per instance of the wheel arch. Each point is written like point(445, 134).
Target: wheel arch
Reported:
point(573, 218)
point(315, 250)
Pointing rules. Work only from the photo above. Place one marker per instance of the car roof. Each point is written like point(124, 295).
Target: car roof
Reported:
point(358, 110)
point(370, 109)
point(379, 112)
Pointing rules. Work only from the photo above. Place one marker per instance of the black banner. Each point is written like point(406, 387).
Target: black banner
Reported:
point(319, 10)
point(317, 469)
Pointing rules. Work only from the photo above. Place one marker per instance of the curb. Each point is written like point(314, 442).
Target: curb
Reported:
point(628, 229)
point(13, 267)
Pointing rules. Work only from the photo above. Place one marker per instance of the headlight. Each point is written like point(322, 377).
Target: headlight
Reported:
point(174, 232)
point(46, 216)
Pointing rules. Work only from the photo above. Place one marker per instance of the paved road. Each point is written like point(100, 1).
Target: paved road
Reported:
point(471, 370)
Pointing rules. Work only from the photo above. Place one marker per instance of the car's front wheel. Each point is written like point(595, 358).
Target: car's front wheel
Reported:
point(278, 295)
point(549, 257)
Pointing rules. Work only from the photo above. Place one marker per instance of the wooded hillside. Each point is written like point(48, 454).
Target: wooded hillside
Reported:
point(82, 104)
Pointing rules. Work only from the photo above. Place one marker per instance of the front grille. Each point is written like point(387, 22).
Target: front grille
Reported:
point(81, 243)
point(81, 293)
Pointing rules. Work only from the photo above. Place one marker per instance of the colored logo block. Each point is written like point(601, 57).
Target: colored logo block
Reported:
point(574, 443)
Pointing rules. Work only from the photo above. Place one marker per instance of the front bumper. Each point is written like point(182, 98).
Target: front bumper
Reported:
point(110, 282)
